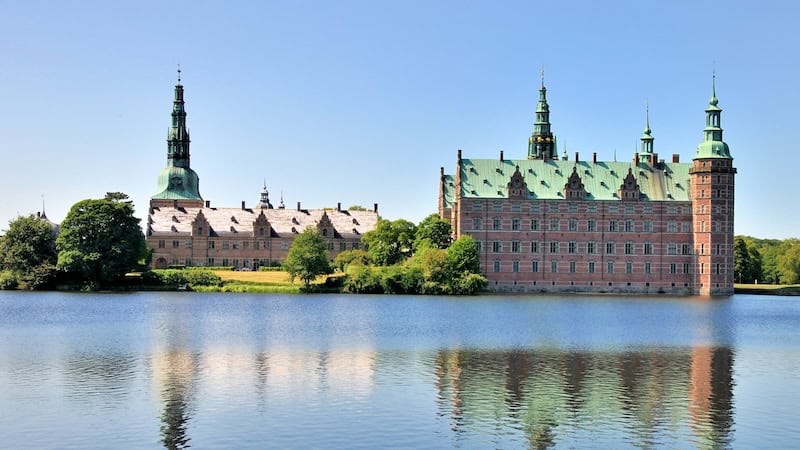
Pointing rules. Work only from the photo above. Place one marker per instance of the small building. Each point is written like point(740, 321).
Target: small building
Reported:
point(183, 229)
point(554, 224)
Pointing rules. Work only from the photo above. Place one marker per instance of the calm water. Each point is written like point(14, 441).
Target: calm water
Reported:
point(181, 370)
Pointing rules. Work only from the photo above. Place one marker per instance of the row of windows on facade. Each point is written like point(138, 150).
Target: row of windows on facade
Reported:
point(611, 267)
point(589, 208)
point(226, 262)
point(256, 245)
point(591, 225)
point(629, 248)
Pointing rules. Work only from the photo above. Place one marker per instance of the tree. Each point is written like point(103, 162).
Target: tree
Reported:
point(391, 241)
point(348, 257)
point(742, 266)
point(788, 261)
point(28, 250)
point(100, 240)
point(434, 232)
point(308, 257)
point(463, 256)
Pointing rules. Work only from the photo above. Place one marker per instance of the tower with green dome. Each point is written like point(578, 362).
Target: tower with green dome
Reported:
point(712, 190)
point(542, 143)
point(178, 184)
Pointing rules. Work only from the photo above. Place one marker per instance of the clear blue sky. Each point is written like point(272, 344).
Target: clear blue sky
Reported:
point(362, 102)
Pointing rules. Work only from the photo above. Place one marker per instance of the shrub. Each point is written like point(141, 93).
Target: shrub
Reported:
point(192, 277)
point(362, 280)
point(8, 280)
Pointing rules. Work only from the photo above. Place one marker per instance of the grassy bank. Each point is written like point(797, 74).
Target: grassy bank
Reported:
point(255, 282)
point(767, 289)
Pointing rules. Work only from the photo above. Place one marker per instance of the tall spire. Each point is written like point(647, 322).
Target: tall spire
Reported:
point(541, 144)
point(646, 150)
point(713, 146)
point(264, 201)
point(178, 136)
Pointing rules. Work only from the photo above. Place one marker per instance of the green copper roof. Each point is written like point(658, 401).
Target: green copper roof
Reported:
point(449, 191)
point(488, 178)
point(712, 149)
point(178, 183)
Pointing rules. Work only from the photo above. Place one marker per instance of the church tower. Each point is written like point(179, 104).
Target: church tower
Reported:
point(646, 151)
point(542, 143)
point(712, 191)
point(178, 184)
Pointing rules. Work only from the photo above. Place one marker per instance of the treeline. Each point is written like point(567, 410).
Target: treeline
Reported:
point(96, 244)
point(401, 258)
point(767, 261)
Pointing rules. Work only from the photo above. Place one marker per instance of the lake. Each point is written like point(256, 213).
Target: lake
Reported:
point(179, 370)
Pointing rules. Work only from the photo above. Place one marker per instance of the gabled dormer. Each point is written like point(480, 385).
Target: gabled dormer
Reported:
point(261, 226)
point(325, 226)
point(516, 188)
point(574, 189)
point(629, 189)
point(200, 225)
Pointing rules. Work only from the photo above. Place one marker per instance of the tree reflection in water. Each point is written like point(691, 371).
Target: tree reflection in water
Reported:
point(650, 398)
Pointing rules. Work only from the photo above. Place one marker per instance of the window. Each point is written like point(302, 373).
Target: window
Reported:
point(553, 224)
point(211, 244)
point(702, 249)
point(629, 248)
point(686, 249)
point(647, 268)
point(554, 207)
point(477, 224)
point(161, 244)
point(187, 244)
point(628, 267)
point(210, 262)
point(648, 248)
point(515, 224)
point(613, 209)
point(686, 227)
point(188, 262)
point(671, 210)
point(285, 245)
point(324, 232)
point(572, 267)
point(477, 207)
point(702, 225)
point(176, 244)
point(496, 224)
point(256, 245)
point(610, 267)
point(610, 248)
point(591, 225)
point(515, 246)
point(515, 266)
point(554, 266)
point(672, 248)
point(591, 267)
point(235, 245)
point(673, 268)
point(572, 247)
point(612, 225)
point(718, 226)
point(629, 226)
point(717, 249)
point(590, 248)
point(628, 209)
point(554, 247)
point(687, 268)
point(225, 246)
point(573, 224)
point(356, 245)
point(515, 207)
point(534, 266)
point(224, 261)
point(672, 226)
point(496, 267)
point(497, 206)
point(648, 226)
point(573, 208)
point(535, 207)
point(497, 247)
point(534, 224)
point(478, 245)
point(246, 245)
point(648, 209)
point(535, 247)
point(591, 209)
point(342, 246)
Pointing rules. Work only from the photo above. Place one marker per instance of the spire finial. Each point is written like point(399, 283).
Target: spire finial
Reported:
point(542, 71)
point(647, 116)
point(179, 74)
point(43, 213)
point(714, 100)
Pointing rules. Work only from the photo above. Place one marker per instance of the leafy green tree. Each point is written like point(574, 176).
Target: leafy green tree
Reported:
point(348, 257)
point(463, 256)
point(741, 261)
point(434, 232)
point(788, 261)
point(28, 250)
point(308, 257)
point(391, 241)
point(99, 241)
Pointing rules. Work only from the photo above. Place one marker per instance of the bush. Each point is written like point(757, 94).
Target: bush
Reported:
point(8, 281)
point(469, 284)
point(362, 280)
point(194, 277)
point(39, 277)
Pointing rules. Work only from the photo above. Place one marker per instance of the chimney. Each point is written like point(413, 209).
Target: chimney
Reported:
point(375, 207)
point(459, 155)
point(636, 159)
point(594, 157)
point(298, 206)
point(576, 157)
point(175, 204)
point(242, 205)
point(441, 172)
point(339, 206)
point(208, 203)
point(501, 156)
point(676, 158)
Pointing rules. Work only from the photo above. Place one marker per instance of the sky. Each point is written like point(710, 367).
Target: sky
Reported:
point(361, 102)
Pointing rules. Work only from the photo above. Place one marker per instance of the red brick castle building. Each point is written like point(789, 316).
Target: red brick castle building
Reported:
point(550, 224)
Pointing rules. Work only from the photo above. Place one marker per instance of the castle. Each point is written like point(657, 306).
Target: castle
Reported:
point(550, 224)
point(185, 230)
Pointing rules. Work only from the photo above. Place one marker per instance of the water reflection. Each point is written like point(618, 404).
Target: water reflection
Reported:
point(653, 397)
